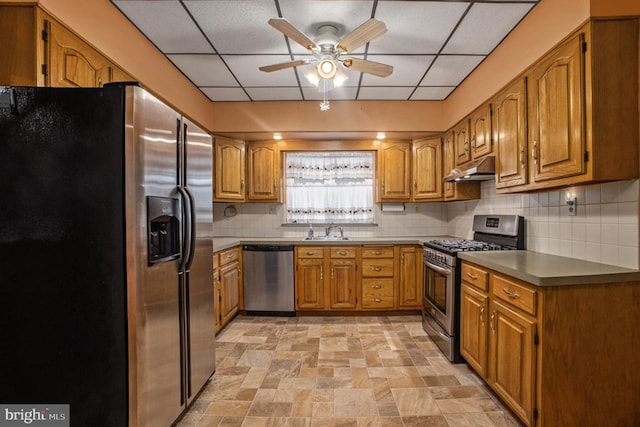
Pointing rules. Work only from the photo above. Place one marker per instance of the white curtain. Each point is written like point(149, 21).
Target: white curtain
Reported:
point(329, 187)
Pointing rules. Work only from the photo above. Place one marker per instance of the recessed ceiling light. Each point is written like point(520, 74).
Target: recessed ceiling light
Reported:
point(381, 135)
point(277, 136)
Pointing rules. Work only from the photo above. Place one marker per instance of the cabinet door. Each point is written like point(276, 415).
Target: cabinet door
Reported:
point(474, 316)
point(427, 169)
point(510, 135)
point(512, 369)
point(343, 292)
point(395, 171)
point(229, 291)
point(462, 145)
point(410, 280)
point(263, 175)
point(555, 93)
point(229, 173)
point(480, 125)
point(310, 284)
point(72, 62)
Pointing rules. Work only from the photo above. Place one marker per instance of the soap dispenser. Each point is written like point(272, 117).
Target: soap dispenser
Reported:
point(310, 232)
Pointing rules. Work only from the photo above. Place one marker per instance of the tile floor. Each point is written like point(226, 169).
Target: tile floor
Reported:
point(339, 371)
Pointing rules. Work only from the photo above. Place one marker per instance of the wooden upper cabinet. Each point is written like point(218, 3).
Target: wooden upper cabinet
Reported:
point(555, 97)
point(72, 62)
point(449, 164)
point(462, 142)
point(480, 128)
point(263, 174)
point(38, 50)
point(427, 169)
point(394, 171)
point(582, 122)
point(510, 134)
point(229, 170)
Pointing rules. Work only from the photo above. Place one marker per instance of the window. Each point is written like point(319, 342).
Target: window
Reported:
point(325, 187)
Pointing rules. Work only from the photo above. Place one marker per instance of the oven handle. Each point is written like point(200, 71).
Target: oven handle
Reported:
point(441, 270)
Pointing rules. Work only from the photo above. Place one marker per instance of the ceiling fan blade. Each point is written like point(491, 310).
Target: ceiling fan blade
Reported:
point(292, 32)
point(283, 65)
point(369, 67)
point(361, 35)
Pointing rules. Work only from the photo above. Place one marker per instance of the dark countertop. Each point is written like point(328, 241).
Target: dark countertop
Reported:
point(221, 243)
point(550, 270)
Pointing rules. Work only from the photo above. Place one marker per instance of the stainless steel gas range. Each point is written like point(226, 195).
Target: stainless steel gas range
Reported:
point(441, 291)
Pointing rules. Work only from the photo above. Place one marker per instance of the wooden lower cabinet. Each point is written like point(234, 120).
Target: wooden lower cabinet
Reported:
point(327, 278)
point(378, 282)
point(227, 285)
point(410, 277)
point(556, 355)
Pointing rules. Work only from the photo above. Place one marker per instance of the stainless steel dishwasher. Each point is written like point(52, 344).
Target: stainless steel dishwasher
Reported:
point(268, 279)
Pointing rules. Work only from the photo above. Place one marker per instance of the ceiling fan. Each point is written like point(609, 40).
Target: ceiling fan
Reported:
point(328, 51)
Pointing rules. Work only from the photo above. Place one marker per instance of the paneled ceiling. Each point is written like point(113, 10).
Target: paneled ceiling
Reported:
point(220, 44)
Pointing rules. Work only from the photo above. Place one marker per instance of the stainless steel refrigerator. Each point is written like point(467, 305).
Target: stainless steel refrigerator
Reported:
point(106, 295)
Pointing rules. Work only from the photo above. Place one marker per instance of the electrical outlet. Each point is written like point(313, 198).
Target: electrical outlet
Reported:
point(572, 207)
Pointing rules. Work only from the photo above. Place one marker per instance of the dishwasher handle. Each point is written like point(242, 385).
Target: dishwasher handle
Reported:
point(268, 248)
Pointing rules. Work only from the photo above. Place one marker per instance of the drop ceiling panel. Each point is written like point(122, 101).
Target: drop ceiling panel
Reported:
point(384, 93)
point(275, 93)
point(225, 94)
point(432, 93)
point(238, 26)
point(490, 20)
point(204, 70)
point(407, 70)
point(220, 44)
point(450, 70)
point(416, 26)
point(167, 24)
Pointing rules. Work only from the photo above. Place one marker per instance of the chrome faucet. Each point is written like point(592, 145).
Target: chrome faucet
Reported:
point(331, 227)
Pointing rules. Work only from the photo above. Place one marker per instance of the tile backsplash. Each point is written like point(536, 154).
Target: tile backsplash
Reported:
point(605, 228)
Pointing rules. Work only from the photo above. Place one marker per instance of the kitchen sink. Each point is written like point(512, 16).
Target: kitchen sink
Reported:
point(327, 238)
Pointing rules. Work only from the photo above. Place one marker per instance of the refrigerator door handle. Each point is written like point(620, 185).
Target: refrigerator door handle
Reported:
point(192, 228)
point(187, 216)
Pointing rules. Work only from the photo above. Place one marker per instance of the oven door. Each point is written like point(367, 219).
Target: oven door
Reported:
point(438, 297)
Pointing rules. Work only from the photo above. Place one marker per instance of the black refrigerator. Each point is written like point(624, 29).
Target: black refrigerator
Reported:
point(106, 296)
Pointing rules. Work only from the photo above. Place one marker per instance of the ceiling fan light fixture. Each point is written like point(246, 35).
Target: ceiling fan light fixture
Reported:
point(339, 78)
point(313, 76)
point(327, 69)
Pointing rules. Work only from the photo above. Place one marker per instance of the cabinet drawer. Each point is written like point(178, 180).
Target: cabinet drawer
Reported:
point(475, 276)
point(346, 252)
point(377, 267)
point(377, 293)
point(515, 294)
point(228, 255)
point(377, 252)
point(309, 252)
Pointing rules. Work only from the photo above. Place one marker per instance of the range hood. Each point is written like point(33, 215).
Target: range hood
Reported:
point(476, 170)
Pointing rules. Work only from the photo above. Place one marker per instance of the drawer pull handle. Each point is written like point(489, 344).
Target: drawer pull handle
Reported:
point(472, 276)
point(378, 252)
point(493, 316)
point(229, 255)
point(482, 316)
point(376, 299)
point(310, 253)
point(376, 287)
point(510, 294)
point(342, 253)
point(376, 268)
